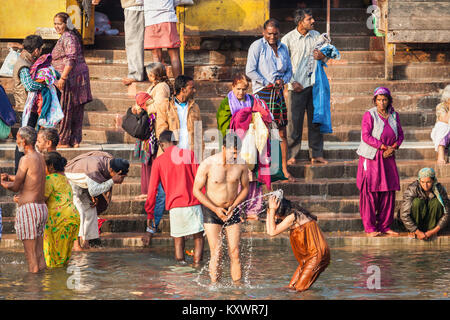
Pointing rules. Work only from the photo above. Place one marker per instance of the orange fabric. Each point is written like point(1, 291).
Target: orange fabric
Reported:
point(311, 251)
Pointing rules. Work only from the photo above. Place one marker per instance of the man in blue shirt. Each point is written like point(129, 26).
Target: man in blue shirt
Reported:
point(269, 68)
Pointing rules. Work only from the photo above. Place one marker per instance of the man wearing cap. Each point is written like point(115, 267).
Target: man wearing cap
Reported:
point(92, 176)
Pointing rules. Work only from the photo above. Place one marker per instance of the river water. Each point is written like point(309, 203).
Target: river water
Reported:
point(403, 273)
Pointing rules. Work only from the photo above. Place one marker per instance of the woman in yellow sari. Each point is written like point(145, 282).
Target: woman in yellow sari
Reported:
point(63, 218)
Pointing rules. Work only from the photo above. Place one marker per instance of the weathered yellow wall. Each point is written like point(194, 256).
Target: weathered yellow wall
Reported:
point(20, 18)
point(226, 17)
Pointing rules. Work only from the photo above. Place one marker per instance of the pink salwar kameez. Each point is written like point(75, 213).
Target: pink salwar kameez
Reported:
point(378, 179)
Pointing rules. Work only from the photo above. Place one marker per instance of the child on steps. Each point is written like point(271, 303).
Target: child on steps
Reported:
point(441, 132)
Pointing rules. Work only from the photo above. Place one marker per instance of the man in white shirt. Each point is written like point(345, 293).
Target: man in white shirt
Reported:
point(92, 176)
point(300, 43)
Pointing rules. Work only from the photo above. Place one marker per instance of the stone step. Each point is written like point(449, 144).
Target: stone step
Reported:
point(342, 42)
point(341, 133)
point(334, 187)
point(333, 71)
point(213, 89)
point(347, 169)
point(337, 28)
point(415, 119)
point(124, 151)
point(320, 14)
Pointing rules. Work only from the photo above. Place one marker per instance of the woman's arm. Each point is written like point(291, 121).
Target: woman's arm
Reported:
point(272, 228)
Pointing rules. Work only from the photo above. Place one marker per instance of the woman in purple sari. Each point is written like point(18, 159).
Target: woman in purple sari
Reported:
point(74, 84)
point(377, 178)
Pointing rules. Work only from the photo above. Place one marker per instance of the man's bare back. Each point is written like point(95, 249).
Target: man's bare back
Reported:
point(30, 179)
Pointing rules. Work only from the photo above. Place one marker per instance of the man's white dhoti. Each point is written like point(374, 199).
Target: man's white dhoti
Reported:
point(88, 214)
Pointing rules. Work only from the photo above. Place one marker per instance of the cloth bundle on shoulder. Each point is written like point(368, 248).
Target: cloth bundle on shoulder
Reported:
point(50, 111)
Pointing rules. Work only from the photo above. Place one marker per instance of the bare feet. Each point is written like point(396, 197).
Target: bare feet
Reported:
point(76, 246)
point(291, 161)
point(411, 235)
point(147, 239)
point(252, 217)
point(128, 81)
point(63, 146)
point(319, 160)
point(391, 233)
point(441, 162)
point(373, 234)
point(76, 145)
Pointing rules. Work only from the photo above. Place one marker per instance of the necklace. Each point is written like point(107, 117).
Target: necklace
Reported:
point(384, 114)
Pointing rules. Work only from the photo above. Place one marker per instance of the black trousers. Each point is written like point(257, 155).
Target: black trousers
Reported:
point(32, 122)
point(299, 103)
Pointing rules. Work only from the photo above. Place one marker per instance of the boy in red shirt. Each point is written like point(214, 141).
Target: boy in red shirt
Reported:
point(175, 169)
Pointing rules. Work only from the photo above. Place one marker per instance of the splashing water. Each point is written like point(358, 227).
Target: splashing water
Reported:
point(245, 250)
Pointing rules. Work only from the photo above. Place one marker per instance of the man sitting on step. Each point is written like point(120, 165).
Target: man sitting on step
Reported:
point(92, 176)
point(175, 169)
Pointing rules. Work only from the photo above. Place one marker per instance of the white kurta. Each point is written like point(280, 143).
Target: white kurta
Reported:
point(81, 183)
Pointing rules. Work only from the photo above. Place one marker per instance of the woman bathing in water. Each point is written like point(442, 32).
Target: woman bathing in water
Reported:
point(308, 243)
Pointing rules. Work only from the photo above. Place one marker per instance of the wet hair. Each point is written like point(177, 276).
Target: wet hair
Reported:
point(272, 23)
point(50, 134)
point(119, 164)
point(231, 140)
point(240, 77)
point(166, 136)
point(32, 42)
point(181, 82)
point(55, 160)
point(300, 15)
point(441, 110)
point(29, 135)
point(64, 17)
point(159, 71)
point(287, 207)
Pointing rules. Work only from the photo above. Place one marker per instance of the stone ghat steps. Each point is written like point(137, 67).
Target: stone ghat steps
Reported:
point(347, 103)
point(340, 133)
point(347, 89)
point(418, 150)
point(318, 187)
point(334, 71)
point(120, 224)
point(344, 42)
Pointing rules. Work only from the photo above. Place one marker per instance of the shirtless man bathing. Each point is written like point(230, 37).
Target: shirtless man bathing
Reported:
point(31, 215)
point(222, 175)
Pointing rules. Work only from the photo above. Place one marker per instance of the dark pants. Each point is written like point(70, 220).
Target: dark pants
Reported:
point(426, 213)
point(299, 102)
point(32, 122)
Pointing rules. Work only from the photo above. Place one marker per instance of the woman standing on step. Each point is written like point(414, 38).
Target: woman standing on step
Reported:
point(377, 178)
point(74, 85)
point(157, 93)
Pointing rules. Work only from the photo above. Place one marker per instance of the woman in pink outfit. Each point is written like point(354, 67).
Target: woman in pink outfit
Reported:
point(377, 178)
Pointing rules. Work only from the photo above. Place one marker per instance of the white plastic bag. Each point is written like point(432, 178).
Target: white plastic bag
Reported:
point(8, 65)
point(103, 25)
point(248, 149)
